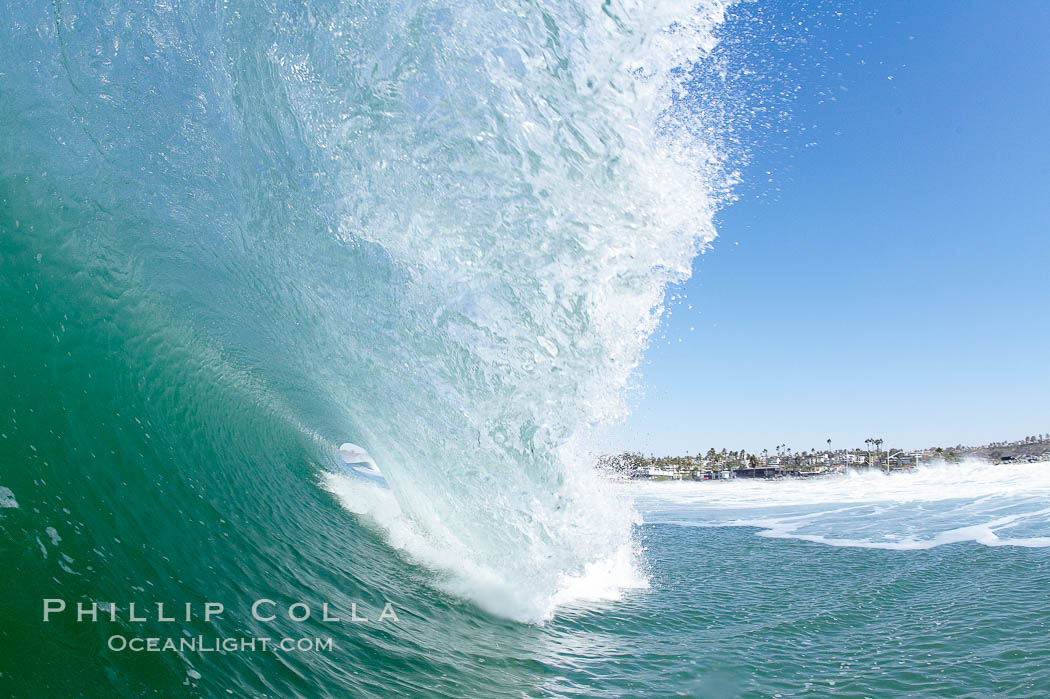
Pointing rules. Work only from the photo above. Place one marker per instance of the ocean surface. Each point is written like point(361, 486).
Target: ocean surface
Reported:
point(234, 236)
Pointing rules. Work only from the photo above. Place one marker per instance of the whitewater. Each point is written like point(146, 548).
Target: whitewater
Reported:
point(935, 504)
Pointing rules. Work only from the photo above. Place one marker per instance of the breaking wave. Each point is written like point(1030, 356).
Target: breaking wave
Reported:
point(941, 503)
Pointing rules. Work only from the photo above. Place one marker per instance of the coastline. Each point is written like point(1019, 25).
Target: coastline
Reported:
point(730, 465)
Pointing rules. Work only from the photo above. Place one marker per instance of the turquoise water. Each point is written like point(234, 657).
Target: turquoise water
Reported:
point(234, 236)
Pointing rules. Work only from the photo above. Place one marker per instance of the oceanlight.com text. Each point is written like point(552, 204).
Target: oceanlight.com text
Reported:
point(202, 644)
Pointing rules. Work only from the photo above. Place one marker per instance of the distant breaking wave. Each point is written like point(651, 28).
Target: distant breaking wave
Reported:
point(991, 504)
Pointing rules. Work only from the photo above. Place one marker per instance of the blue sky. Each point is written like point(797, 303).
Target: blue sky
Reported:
point(890, 276)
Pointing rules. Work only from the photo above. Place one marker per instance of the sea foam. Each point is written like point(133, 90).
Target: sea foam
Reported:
point(937, 504)
point(7, 498)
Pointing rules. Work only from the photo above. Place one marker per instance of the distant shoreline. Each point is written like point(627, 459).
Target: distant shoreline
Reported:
point(728, 465)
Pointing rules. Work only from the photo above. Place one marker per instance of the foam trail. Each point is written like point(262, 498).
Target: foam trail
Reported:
point(7, 498)
point(991, 504)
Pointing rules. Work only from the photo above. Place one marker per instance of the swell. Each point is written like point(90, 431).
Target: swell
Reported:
point(147, 468)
